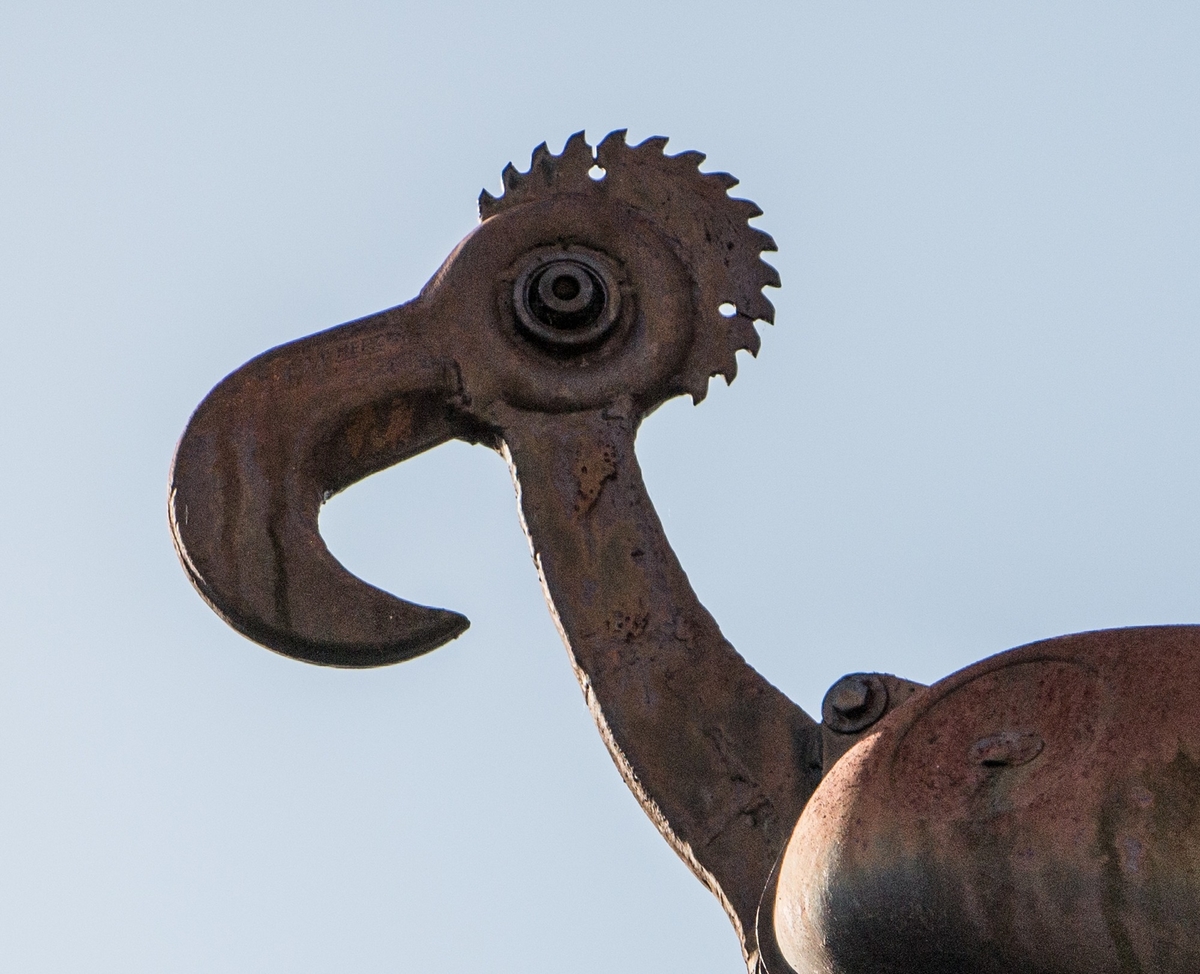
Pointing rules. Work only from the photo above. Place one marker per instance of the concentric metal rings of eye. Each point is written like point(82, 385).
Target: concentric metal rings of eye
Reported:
point(566, 298)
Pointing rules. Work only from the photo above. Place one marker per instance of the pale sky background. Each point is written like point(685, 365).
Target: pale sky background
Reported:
point(976, 423)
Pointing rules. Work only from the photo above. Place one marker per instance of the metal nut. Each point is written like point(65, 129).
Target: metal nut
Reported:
point(566, 298)
point(854, 703)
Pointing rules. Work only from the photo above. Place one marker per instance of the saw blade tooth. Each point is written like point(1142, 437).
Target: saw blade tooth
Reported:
point(729, 370)
point(748, 207)
point(539, 157)
point(743, 334)
point(577, 149)
point(689, 158)
point(726, 180)
point(756, 306)
point(575, 142)
point(768, 313)
point(768, 274)
point(695, 384)
point(487, 204)
point(655, 142)
point(764, 240)
point(611, 147)
point(512, 178)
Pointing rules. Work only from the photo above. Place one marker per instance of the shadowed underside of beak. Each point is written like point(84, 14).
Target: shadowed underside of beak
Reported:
point(268, 446)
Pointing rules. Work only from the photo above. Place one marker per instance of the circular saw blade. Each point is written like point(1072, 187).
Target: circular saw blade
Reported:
point(710, 228)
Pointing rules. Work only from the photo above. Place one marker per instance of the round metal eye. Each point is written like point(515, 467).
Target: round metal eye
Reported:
point(566, 290)
point(566, 299)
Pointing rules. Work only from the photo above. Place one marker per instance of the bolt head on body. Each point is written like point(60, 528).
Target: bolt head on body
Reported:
point(854, 703)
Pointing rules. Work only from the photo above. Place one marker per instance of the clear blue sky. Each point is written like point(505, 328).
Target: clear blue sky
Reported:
point(976, 423)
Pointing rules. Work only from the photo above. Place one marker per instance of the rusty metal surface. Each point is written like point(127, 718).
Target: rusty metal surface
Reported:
point(577, 307)
point(1038, 812)
point(853, 706)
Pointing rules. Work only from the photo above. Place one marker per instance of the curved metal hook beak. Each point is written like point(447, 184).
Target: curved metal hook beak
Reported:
point(268, 446)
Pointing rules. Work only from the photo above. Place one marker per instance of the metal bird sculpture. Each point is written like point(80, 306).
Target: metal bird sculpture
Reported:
point(1037, 812)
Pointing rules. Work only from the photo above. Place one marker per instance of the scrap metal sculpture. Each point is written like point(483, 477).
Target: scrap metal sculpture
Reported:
point(1036, 812)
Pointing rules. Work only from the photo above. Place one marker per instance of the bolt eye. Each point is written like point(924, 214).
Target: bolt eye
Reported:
point(565, 287)
point(565, 300)
point(566, 295)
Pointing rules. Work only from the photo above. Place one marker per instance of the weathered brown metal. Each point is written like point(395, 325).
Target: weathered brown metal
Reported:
point(854, 705)
point(576, 308)
point(1036, 813)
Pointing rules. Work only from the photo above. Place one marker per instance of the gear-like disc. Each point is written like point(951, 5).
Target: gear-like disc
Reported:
point(694, 209)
